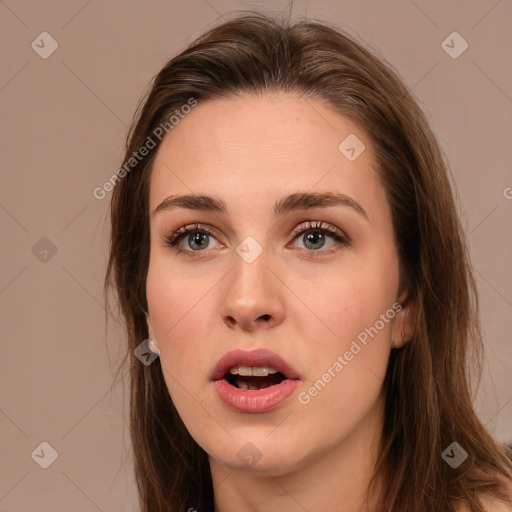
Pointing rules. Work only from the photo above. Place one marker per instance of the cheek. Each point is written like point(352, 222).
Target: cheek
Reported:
point(350, 358)
point(344, 305)
point(178, 335)
point(179, 317)
point(346, 370)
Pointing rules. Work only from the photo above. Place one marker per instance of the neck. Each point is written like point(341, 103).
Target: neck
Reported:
point(336, 480)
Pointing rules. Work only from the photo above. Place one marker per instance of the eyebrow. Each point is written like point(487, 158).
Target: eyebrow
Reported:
point(292, 202)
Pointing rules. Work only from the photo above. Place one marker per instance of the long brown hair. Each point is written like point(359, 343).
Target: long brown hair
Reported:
point(427, 386)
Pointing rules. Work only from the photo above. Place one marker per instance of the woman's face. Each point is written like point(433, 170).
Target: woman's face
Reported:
point(265, 277)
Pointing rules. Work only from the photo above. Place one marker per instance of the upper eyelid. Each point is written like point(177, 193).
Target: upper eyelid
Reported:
point(194, 226)
point(308, 225)
point(322, 225)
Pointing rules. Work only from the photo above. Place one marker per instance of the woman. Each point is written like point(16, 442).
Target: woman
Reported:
point(285, 235)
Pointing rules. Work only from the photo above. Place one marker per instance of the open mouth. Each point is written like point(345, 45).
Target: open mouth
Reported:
point(253, 378)
point(255, 381)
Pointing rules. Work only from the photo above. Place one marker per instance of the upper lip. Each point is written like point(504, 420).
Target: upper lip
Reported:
point(258, 357)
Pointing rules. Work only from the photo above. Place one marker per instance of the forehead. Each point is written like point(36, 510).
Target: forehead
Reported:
point(264, 147)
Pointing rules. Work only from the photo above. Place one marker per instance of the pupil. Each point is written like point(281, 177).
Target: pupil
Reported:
point(196, 239)
point(314, 238)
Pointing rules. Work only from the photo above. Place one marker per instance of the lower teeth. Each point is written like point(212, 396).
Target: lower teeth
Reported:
point(243, 384)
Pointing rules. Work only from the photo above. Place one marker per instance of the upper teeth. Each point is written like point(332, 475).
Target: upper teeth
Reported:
point(256, 371)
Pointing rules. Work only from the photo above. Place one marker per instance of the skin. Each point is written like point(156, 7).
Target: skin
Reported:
point(489, 503)
point(250, 151)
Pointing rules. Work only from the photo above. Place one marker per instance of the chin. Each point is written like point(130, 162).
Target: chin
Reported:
point(257, 454)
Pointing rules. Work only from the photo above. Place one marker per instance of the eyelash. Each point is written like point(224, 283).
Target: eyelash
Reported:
point(176, 236)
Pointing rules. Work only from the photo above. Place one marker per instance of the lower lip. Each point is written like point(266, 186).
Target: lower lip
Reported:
point(255, 400)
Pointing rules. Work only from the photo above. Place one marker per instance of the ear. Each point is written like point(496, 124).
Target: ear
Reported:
point(404, 323)
point(151, 337)
point(151, 334)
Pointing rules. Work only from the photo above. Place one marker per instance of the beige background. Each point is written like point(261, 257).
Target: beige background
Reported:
point(64, 120)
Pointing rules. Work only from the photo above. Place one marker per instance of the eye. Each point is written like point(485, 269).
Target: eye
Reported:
point(197, 237)
point(315, 235)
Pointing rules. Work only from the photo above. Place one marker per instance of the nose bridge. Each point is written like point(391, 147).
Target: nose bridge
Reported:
point(249, 276)
point(252, 291)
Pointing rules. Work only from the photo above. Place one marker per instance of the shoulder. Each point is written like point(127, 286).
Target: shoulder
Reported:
point(495, 505)
point(490, 503)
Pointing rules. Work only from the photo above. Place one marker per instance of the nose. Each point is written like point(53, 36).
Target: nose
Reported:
point(253, 296)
